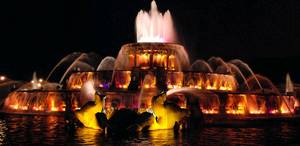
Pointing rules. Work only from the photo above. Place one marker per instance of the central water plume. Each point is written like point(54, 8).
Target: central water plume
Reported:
point(154, 26)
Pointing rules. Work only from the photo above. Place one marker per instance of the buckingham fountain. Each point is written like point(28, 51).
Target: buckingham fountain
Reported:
point(153, 83)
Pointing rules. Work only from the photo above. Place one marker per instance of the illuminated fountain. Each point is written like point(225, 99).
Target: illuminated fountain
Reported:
point(214, 90)
point(6, 86)
point(37, 96)
point(210, 89)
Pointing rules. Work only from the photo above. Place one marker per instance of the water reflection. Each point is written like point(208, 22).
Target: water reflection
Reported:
point(49, 130)
point(88, 136)
point(3, 129)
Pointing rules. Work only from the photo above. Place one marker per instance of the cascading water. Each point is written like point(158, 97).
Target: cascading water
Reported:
point(148, 90)
point(154, 26)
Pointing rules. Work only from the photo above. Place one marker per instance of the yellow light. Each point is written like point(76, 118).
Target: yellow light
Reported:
point(274, 111)
point(87, 115)
point(166, 117)
point(16, 106)
point(257, 112)
point(53, 108)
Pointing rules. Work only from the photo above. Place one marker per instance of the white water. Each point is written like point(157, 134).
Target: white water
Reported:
point(154, 26)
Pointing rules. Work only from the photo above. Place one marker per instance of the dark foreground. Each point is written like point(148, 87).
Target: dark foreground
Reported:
point(49, 130)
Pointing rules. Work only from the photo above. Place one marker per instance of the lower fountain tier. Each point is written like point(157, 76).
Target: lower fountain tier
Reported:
point(163, 80)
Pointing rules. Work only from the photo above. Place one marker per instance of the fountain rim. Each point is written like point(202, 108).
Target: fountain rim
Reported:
point(43, 90)
point(169, 71)
point(151, 44)
point(126, 91)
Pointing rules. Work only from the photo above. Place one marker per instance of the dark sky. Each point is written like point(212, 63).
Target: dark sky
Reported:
point(36, 34)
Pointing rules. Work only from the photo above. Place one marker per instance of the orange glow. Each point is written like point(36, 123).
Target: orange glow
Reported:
point(284, 109)
point(143, 60)
point(77, 80)
point(201, 81)
point(131, 60)
point(288, 104)
point(210, 81)
point(122, 79)
point(175, 80)
point(296, 104)
point(34, 101)
point(208, 85)
point(243, 103)
point(236, 104)
point(53, 107)
point(210, 111)
point(257, 112)
point(239, 110)
point(160, 59)
point(16, 106)
point(172, 62)
point(24, 107)
point(38, 108)
point(255, 104)
point(275, 111)
point(149, 81)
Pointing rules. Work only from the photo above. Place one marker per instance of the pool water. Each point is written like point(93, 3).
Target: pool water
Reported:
point(50, 130)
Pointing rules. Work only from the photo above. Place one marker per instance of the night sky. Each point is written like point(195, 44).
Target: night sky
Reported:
point(36, 34)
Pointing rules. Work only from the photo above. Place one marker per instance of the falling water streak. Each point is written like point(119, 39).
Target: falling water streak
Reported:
point(121, 62)
point(57, 65)
point(253, 75)
point(71, 66)
point(215, 62)
point(200, 62)
point(182, 58)
point(240, 73)
point(106, 63)
point(248, 68)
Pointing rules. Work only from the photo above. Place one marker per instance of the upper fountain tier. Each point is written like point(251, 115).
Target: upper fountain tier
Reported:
point(143, 56)
point(154, 26)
